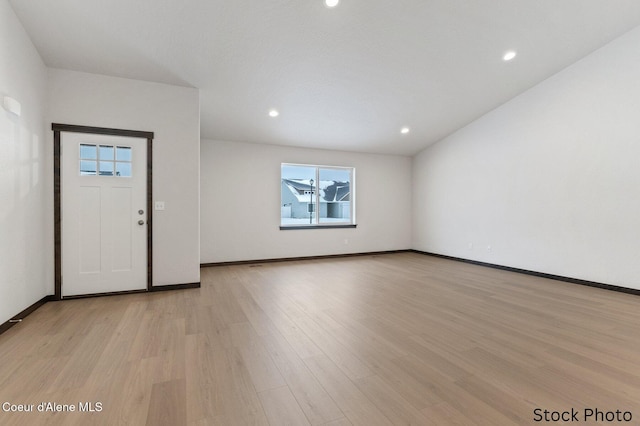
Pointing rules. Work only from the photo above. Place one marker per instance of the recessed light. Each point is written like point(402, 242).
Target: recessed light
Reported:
point(331, 3)
point(273, 113)
point(404, 130)
point(509, 55)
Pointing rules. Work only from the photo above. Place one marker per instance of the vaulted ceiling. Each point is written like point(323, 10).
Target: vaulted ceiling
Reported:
point(348, 77)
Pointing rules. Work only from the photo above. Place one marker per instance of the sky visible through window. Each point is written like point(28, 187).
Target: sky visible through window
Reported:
point(303, 172)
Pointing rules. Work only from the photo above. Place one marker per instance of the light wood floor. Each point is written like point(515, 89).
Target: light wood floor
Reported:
point(390, 339)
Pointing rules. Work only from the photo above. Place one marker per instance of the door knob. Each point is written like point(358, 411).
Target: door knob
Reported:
point(141, 222)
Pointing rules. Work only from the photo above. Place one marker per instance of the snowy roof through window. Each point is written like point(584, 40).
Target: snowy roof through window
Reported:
point(330, 190)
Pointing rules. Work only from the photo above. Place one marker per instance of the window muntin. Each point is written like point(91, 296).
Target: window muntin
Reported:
point(105, 160)
point(316, 195)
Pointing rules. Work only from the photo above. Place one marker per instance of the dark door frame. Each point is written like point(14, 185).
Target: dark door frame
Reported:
point(57, 202)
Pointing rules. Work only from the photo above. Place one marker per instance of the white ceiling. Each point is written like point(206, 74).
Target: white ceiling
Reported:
point(346, 78)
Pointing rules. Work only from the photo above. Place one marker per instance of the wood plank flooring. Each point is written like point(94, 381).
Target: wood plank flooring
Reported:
point(393, 339)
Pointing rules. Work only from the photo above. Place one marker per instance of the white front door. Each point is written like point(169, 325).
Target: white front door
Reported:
point(104, 217)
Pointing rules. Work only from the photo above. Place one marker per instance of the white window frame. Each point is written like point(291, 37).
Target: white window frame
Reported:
point(316, 224)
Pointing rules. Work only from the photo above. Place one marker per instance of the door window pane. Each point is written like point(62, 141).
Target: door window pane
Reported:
point(123, 153)
point(106, 168)
point(123, 169)
point(106, 152)
point(88, 152)
point(87, 167)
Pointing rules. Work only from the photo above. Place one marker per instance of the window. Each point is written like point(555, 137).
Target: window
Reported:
point(105, 160)
point(316, 196)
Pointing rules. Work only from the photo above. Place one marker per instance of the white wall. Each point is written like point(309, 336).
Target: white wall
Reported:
point(240, 201)
point(26, 243)
point(550, 180)
point(172, 113)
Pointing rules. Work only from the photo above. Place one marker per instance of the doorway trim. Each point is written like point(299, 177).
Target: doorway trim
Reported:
point(57, 201)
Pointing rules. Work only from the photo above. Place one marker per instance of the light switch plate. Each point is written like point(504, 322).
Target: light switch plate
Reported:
point(159, 205)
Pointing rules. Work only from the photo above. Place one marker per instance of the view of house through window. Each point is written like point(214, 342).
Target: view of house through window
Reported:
point(316, 195)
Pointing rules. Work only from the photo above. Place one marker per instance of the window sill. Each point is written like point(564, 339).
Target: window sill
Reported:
point(290, 227)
